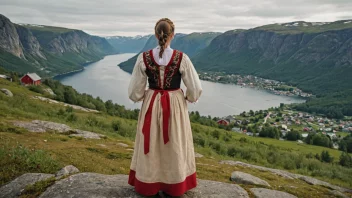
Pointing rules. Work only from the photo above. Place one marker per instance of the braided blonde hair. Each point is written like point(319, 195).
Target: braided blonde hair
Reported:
point(164, 28)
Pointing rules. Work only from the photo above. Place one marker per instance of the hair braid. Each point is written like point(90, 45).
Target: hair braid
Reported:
point(164, 28)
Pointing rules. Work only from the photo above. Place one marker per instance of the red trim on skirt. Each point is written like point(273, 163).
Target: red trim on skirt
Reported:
point(149, 189)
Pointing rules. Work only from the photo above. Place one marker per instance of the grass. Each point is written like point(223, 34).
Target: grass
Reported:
point(22, 151)
point(32, 191)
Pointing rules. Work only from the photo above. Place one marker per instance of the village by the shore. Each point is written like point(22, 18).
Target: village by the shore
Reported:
point(273, 86)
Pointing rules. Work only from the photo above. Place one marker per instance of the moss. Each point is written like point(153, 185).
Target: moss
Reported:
point(32, 191)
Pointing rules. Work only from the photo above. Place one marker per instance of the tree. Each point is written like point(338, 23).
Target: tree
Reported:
point(293, 136)
point(326, 157)
point(345, 160)
point(346, 144)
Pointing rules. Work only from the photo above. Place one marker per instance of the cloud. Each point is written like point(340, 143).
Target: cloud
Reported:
point(126, 17)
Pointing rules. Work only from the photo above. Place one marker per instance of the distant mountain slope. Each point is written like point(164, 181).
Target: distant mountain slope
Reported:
point(47, 50)
point(127, 44)
point(317, 58)
point(188, 43)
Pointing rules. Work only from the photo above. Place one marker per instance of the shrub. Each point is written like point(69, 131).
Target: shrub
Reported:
point(72, 117)
point(116, 125)
point(37, 89)
point(326, 157)
point(345, 160)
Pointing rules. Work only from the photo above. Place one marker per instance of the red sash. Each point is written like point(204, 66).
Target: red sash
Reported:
point(165, 104)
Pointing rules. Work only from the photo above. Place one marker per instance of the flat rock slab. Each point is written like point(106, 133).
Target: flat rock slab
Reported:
point(39, 126)
point(86, 134)
point(93, 185)
point(266, 193)
point(15, 187)
point(288, 175)
point(67, 170)
point(42, 126)
point(245, 178)
point(65, 104)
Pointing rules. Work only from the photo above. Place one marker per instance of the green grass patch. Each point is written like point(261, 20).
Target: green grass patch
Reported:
point(33, 191)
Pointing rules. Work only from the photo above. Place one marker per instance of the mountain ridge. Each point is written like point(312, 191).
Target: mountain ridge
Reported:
point(188, 43)
point(48, 50)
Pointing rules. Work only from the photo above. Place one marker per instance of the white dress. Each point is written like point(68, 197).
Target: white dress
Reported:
point(163, 158)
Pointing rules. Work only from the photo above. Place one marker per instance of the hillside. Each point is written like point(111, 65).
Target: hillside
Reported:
point(128, 44)
point(56, 144)
point(315, 57)
point(188, 43)
point(48, 50)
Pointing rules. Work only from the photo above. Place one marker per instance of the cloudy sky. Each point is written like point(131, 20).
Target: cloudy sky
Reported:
point(137, 17)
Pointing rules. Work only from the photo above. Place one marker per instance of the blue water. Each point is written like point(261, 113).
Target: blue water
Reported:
point(106, 80)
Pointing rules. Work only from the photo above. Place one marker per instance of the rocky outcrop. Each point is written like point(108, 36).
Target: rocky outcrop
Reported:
point(244, 178)
point(266, 193)
point(287, 175)
point(6, 92)
point(9, 39)
point(29, 42)
point(67, 170)
point(14, 188)
point(98, 185)
point(35, 43)
point(64, 104)
point(39, 126)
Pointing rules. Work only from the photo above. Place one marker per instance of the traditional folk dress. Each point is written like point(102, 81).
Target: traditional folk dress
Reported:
point(163, 158)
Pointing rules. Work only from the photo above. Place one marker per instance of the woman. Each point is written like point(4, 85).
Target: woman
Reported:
point(163, 158)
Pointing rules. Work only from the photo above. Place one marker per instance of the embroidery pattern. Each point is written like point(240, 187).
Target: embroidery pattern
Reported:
point(170, 69)
point(155, 70)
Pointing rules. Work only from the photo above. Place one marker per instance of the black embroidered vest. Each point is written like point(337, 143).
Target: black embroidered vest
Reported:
point(172, 75)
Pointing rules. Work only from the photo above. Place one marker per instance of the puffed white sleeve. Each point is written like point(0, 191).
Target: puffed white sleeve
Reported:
point(190, 79)
point(137, 86)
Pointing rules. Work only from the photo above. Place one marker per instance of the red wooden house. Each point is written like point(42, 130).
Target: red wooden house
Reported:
point(223, 122)
point(31, 79)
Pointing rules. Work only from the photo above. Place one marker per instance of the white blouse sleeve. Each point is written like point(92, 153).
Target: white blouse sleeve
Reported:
point(190, 79)
point(137, 86)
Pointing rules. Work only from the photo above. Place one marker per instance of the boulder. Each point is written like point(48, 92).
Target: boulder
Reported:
point(197, 155)
point(104, 186)
point(122, 144)
point(67, 170)
point(14, 188)
point(245, 178)
point(266, 193)
point(61, 128)
point(7, 92)
point(86, 134)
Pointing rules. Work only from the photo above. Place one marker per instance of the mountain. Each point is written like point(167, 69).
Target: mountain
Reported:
point(127, 44)
point(316, 57)
point(48, 50)
point(188, 43)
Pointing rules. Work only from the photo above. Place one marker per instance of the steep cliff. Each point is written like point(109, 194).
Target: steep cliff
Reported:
point(9, 39)
point(314, 56)
point(190, 44)
point(48, 50)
